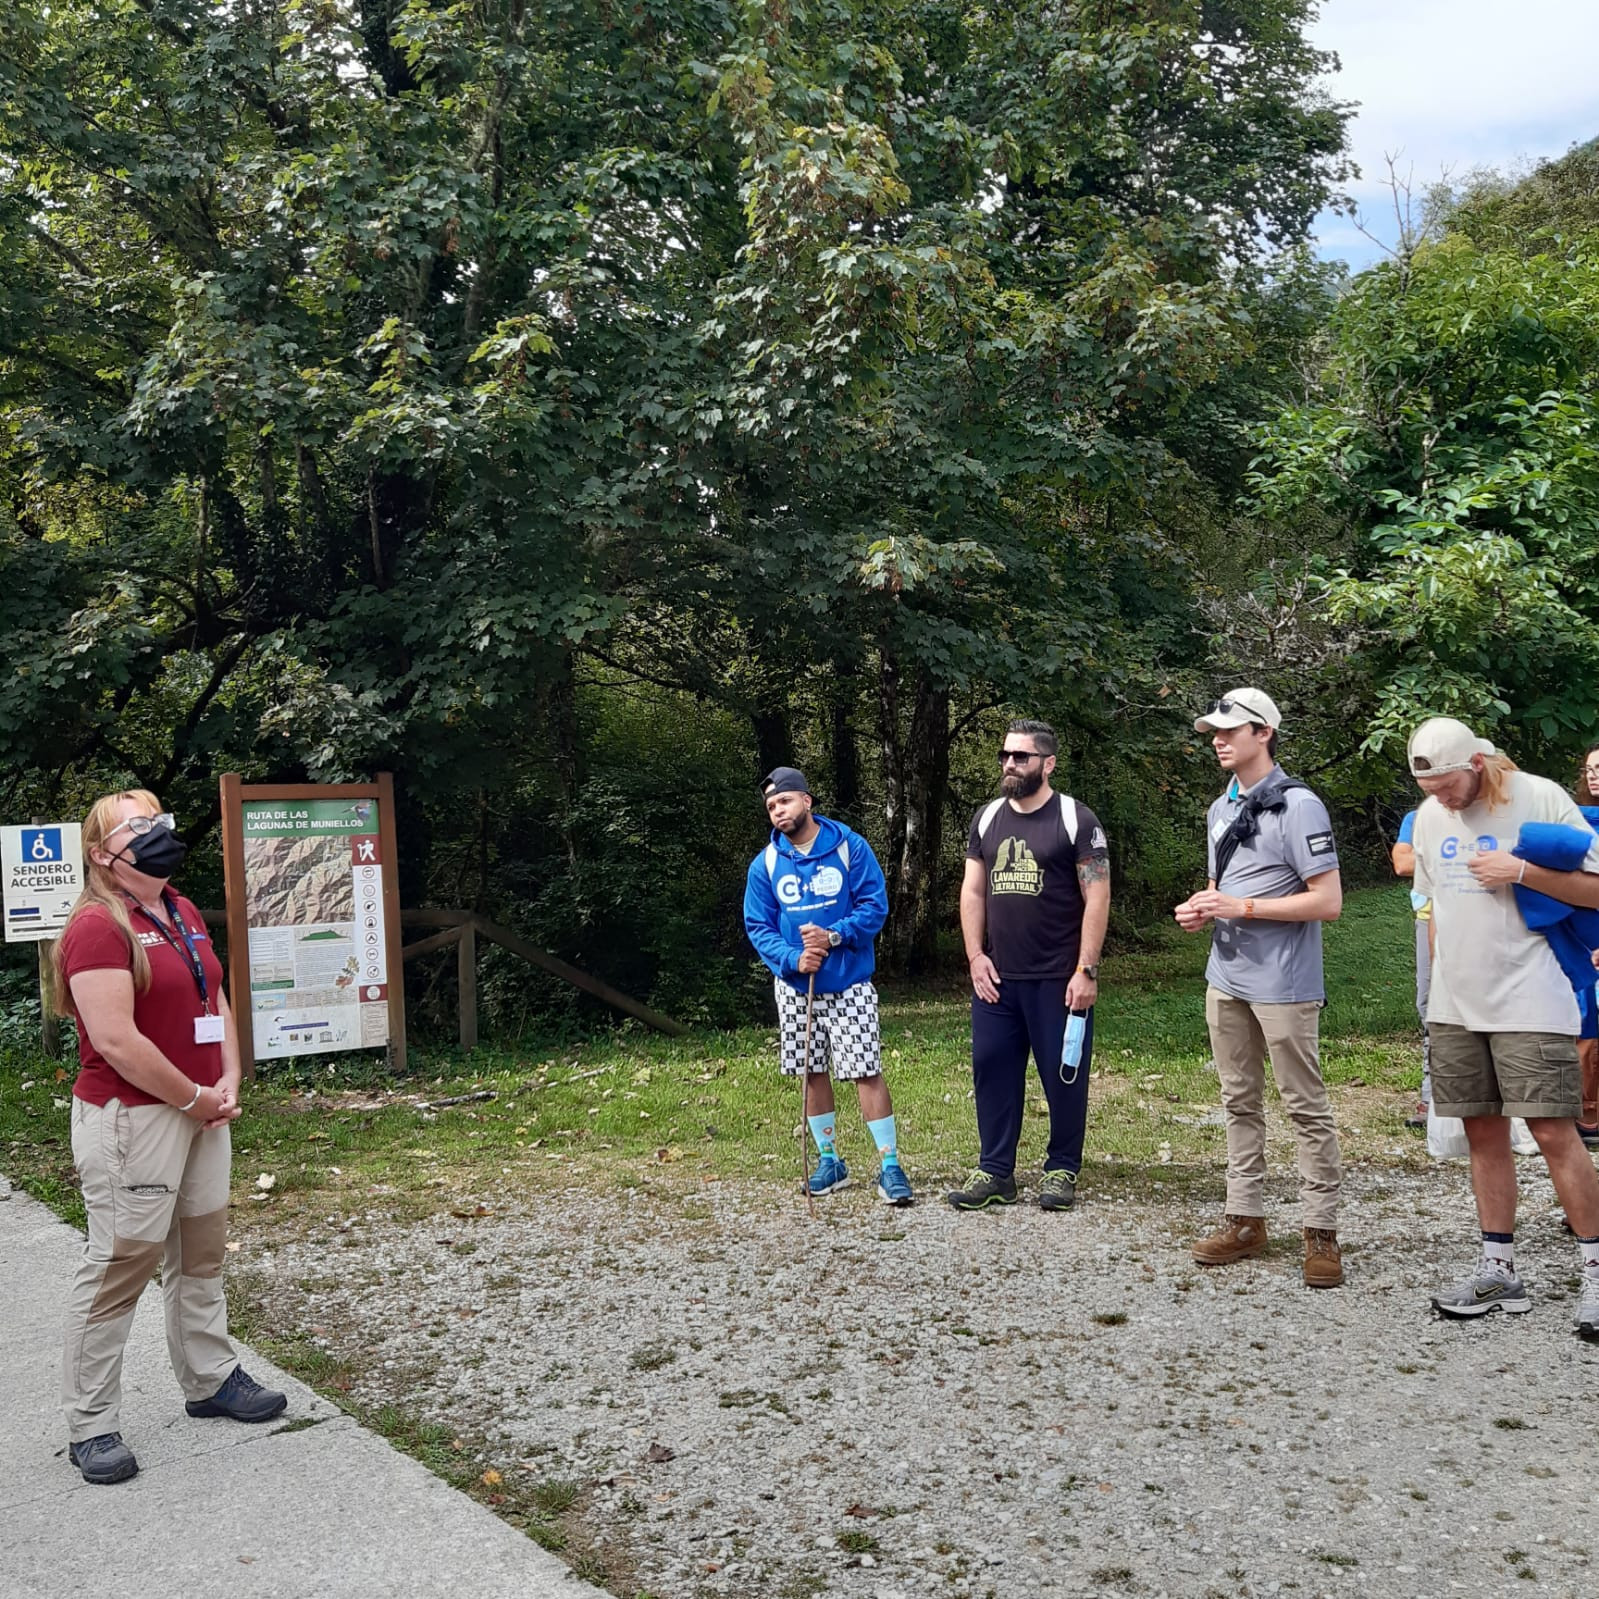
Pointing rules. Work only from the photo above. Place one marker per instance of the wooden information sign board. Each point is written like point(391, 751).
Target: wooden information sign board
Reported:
point(313, 918)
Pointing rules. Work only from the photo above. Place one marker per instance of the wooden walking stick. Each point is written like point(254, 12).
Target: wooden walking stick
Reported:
point(805, 1097)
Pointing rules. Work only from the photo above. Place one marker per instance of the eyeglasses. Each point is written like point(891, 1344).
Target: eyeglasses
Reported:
point(1591, 769)
point(1022, 756)
point(140, 825)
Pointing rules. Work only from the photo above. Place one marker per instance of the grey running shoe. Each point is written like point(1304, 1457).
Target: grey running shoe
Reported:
point(983, 1190)
point(1588, 1307)
point(1057, 1190)
point(1490, 1287)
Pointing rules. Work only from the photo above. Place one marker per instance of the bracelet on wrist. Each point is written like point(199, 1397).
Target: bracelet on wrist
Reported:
point(193, 1102)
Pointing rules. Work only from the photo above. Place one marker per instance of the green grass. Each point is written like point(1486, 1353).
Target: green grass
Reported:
point(635, 1109)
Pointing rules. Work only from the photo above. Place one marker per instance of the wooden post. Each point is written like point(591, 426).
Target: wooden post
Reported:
point(238, 919)
point(391, 920)
point(49, 1025)
point(466, 983)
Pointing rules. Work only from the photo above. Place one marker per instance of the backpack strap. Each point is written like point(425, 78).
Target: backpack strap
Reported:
point(1068, 816)
point(770, 858)
point(985, 819)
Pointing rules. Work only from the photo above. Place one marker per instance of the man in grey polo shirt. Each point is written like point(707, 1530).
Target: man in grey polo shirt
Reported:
point(1273, 871)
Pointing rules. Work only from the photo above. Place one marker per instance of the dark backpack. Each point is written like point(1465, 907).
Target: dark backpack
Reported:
point(1269, 796)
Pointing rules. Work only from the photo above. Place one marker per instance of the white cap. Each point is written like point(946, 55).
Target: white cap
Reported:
point(1238, 706)
point(1442, 745)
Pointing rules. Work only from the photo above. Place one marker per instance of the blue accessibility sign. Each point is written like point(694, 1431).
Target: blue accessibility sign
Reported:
point(41, 844)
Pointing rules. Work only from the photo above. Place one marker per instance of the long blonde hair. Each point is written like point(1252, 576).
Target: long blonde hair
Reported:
point(99, 888)
point(1496, 770)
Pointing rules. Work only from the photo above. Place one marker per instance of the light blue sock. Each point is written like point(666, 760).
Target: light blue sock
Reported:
point(882, 1131)
point(822, 1132)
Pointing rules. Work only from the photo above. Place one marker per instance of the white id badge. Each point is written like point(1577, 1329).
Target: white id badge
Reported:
point(208, 1030)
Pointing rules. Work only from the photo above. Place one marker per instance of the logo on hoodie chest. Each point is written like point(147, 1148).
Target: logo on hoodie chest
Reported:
point(826, 882)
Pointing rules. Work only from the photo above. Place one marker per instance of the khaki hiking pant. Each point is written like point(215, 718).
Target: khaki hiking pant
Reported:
point(1243, 1036)
point(155, 1185)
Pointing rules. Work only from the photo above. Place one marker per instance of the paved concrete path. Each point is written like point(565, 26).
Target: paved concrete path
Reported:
point(283, 1510)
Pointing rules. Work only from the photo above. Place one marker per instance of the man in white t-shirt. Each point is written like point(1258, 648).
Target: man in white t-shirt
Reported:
point(1502, 1015)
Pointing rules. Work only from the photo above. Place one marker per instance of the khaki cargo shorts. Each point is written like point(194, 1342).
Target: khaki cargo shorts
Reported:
point(1503, 1074)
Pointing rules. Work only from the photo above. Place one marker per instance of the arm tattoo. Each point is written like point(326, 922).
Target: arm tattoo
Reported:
point(1093, 869)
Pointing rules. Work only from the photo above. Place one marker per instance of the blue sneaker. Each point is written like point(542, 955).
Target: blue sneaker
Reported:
point(831, 1173)
point(240, 1398)
point(893, 1186)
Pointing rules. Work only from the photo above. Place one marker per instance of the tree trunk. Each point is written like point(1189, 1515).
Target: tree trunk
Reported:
point(926, 778)
point(915, 777)
point(566, 745)
point(845, 799)
point(890, 747)
point(774, 740)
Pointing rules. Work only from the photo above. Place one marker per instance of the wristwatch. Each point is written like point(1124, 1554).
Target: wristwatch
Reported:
point(834, 938)
point(1090, 972)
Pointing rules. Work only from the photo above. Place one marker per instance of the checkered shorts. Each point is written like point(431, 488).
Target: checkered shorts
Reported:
point(844, 1037)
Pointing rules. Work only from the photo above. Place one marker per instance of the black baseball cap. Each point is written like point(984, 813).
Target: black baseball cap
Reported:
point(784, 780)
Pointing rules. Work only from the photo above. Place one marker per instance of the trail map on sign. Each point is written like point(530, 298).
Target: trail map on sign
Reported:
point(313, 873)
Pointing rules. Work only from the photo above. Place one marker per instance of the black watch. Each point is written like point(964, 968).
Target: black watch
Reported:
point(1090, 972)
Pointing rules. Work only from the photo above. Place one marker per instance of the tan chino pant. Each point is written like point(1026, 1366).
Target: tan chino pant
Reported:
point(1242, 1037)
point(155, 1185)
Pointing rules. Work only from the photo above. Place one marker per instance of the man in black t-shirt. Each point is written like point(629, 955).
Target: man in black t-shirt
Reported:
point(1034, 904)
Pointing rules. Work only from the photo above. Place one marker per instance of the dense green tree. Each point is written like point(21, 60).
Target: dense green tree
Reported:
point(388, 385)
point(1454, 423)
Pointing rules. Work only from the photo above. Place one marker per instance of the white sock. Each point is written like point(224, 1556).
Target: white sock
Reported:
point(1499, 1250)
point(1590, 1253)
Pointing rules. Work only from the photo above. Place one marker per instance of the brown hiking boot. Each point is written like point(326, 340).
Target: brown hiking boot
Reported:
point(1324, 1265)
point(1239, 1238)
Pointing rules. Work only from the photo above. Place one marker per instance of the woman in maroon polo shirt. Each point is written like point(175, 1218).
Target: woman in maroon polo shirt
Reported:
point(157, 1087)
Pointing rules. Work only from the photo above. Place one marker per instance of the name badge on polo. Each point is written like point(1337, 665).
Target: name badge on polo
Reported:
point(208, 1030)
point(1221, 827)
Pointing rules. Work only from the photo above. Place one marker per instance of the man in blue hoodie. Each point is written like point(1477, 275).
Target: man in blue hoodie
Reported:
point(814, 900)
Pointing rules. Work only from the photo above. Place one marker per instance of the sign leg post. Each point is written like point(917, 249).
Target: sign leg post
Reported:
point(49, 1025)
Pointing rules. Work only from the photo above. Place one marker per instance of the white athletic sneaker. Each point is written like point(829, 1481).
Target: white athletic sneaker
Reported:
point(1588, 1306)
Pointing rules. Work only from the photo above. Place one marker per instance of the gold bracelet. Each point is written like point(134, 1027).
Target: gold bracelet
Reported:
point(1249, 908)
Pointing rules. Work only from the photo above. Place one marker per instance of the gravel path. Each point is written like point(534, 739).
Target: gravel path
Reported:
point(904, 1403)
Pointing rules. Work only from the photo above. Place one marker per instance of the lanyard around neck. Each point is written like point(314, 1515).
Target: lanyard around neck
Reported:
point(185, 948)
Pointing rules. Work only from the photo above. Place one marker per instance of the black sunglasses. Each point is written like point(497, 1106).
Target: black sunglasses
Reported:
point(1227, 707)
point(1019, 755)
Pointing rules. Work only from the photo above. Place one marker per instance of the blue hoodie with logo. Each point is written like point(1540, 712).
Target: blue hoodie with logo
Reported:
point(837, 883)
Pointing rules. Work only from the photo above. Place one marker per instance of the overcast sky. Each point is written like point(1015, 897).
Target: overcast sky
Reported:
point(1452, 85)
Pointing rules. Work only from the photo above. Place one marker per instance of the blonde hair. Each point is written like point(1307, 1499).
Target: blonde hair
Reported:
point(99, 888)
point(1496, 770)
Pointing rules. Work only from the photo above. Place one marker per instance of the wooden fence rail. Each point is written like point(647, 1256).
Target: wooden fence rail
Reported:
point(462, 930)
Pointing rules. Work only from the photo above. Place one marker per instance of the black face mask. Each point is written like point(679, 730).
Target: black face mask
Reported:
point(158, 853)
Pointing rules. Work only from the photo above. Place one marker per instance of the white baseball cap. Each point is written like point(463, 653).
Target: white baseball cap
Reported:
point(1442, 745)
point(1238, 706)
